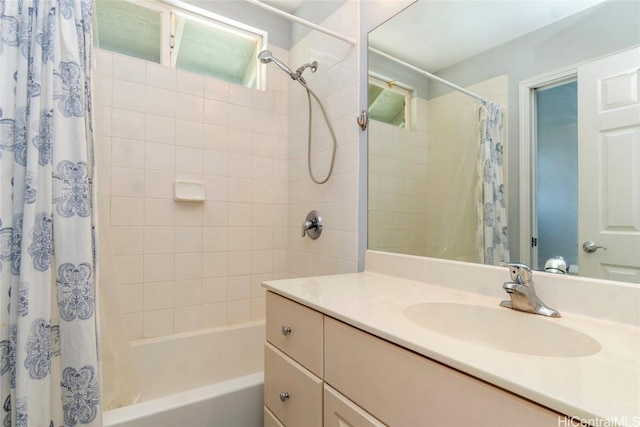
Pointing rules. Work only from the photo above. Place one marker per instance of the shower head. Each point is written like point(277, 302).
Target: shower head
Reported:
point(266, 56)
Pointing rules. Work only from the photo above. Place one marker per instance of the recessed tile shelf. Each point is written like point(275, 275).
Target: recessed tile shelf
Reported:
point(188, 191)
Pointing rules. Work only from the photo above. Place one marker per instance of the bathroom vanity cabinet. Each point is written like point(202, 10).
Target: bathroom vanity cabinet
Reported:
point(322, 372)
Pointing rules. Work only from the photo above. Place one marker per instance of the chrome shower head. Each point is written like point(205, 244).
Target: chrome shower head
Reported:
point(266, 56)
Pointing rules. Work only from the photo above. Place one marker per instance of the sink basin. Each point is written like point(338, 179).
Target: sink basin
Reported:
point(502, 329)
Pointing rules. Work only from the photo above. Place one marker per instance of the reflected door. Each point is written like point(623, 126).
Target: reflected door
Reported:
point(609, 172)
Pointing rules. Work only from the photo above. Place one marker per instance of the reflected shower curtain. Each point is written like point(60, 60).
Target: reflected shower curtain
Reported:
point(491, 232)
point(48, 332)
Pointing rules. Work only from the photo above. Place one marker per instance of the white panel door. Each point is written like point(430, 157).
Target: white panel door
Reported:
point(609, 166)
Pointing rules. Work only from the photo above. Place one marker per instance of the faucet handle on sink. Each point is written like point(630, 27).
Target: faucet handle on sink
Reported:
point(520, 273)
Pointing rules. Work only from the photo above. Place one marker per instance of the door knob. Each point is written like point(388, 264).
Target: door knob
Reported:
point(590, 247)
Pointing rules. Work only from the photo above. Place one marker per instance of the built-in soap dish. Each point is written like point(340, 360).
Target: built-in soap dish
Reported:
point(188, 191)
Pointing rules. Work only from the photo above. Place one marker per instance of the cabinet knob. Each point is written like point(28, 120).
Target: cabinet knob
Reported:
point(286, 330)
point(284, 396)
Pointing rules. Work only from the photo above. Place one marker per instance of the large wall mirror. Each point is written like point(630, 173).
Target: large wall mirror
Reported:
point(508, 130)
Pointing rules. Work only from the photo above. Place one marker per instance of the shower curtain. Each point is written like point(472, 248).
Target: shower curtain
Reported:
point(48, 329)
point(492, 243)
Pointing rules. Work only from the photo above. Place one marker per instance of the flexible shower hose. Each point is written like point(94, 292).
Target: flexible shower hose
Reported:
point(333, 136)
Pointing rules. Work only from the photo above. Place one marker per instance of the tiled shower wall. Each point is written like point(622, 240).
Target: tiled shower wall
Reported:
point(182, 266)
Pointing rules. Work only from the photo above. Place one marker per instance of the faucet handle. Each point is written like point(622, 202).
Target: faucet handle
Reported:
point(520, 273)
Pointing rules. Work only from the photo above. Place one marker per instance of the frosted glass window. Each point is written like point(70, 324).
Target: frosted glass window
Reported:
point(216, 52)
point(388, 103)
point(129, 29)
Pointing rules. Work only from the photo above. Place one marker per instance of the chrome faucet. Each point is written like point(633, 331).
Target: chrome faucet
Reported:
point(522, 293)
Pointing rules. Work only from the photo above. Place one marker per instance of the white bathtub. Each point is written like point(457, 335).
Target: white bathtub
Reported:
point(206, 378)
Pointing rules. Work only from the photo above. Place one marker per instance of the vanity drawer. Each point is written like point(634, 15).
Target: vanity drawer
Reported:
point(270, 420)
point(340, 411)
point(303, 341)
point(303, 406)
point(401, 388)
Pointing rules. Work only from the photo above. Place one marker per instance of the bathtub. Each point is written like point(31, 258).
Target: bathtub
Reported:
point(207, 378)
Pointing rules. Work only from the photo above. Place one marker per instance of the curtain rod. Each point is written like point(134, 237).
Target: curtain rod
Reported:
point(429, 75)
point(299, 20)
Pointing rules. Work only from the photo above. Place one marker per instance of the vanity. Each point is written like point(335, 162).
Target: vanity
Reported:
point(417, 342)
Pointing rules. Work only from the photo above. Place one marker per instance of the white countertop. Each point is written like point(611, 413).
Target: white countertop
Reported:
point(603, 386)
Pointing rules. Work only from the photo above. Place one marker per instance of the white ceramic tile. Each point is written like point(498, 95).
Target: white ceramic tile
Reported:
point(190, 83)
point(157, 323)
point(104, 66)
point(262, 215)
point(158, 268)
point(239, 214)
point(187, 213)
point(161, 101)
point(216, 213)
point(159, 156)
point(239, 263)
point(240, 95)
point(103, 93)
point(261, 262)
point(216, 112)
point(128, 95)
point(159, 212)
point(214, 239)
point(189, 133)
point(158, 296)
point(215, 138)
point(214, 315)
point(127, 211)
point(239, 238)
point(128, 68)
point(216, 187)
point(187, 292)
point(126, 240)
point(161, 76)
point(128, 269)
point(263, 122)
point(216, 89)
point(258, 308)
point(131, 298)
point(239, 190)
point(240, 165)
point(127, 124)
point(239, 311)
point(261, 191)
point(187, 319)
point(261, 238)
point(215, 163)
point(214, 264)
point(127, 153)
point(240, 141)
point(127, 182)
point(189, 160)
point(241, 117)
point(188, 239)
point(262, 145)
point(214, 289)
point(263, 100)
point(133, 326)
point(158, 240)
point(189, 107)
point(160, 129)
point(159, 184)
point(238, 287)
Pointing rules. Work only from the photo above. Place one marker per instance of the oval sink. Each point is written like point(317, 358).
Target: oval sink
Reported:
point(502, 329)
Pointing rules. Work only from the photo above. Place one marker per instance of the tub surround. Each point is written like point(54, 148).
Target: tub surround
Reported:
point(603, 386)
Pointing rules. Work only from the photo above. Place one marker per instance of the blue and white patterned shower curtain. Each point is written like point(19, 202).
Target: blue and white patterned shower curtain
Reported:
point(48, 332)
point(492, 242)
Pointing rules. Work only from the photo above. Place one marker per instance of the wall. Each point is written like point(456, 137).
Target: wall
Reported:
point(336, 84)
point(183, 266)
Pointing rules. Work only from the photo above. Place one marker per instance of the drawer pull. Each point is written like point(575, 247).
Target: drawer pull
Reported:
point(284, 396)
point(286, 330)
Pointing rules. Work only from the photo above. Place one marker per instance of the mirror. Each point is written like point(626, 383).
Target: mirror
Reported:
point(423, 152)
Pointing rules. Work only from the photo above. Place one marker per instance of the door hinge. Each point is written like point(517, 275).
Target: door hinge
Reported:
point(534, 242)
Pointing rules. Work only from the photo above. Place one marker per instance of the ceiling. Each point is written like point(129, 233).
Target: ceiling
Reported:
point(436, 34)
point(286, 5)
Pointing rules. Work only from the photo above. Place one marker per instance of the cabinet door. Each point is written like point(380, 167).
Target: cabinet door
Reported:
point(401, 388)
point(341, 412)
point(301, 400)
point(303, 340)
point(270, 420)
